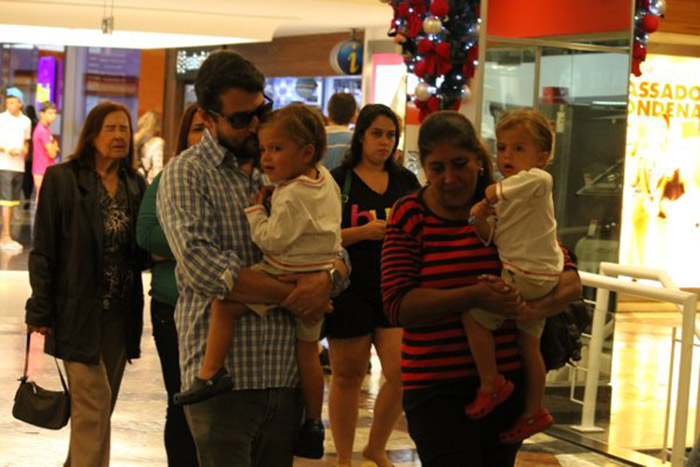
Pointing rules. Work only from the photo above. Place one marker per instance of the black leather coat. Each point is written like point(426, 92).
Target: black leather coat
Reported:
point(65, 266)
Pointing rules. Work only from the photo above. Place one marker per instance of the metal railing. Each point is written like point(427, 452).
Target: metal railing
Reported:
point(606, 282)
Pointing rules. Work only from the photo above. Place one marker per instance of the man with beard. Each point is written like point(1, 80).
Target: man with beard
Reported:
point(201, 202)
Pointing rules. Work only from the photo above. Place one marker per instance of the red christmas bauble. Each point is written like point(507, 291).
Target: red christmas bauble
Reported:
point(639, 51)
point(650, 23)
point(439, 8)
point(403, 10)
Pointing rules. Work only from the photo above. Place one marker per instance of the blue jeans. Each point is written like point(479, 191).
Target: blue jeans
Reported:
point(247, 428)
point(179, 444)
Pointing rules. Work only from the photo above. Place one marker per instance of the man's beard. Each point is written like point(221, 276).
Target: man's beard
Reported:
point(246, 150)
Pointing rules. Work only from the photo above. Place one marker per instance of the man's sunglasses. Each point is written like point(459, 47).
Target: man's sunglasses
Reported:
point(241, 120)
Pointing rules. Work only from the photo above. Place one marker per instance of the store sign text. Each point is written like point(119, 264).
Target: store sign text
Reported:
point(653, 99)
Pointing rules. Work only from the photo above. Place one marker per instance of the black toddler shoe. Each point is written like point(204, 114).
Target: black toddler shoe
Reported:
point(325, 360)
point(311, 437)
point(203, 389)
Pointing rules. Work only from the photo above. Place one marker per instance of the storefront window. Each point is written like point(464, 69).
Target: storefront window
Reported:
point(313, 91)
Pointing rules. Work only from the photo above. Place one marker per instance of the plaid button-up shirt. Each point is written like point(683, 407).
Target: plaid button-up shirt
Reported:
point(201, 202)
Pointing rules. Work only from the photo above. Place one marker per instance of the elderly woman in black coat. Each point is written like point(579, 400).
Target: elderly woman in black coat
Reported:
point(85, 273)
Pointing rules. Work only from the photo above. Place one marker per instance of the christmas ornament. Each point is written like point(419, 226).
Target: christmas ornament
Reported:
point(646, 21)
point(657, 7)
point(422, 92)
point(432, 25)
point(650, 23)
point(440, 46)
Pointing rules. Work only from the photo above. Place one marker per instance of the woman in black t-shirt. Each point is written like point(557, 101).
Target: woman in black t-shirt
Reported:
point(371, 182)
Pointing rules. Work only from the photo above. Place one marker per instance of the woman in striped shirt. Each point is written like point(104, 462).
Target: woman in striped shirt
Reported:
point(433, 268)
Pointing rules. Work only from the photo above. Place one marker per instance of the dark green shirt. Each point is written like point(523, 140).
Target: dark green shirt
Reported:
point(150, 237)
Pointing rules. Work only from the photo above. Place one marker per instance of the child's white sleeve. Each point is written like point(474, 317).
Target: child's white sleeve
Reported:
point(274, 233)
point(526, 184)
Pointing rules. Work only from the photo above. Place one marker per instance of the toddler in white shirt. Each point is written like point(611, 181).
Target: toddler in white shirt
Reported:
point(524, 230)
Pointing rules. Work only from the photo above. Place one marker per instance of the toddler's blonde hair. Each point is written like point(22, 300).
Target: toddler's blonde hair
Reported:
point(534, 123)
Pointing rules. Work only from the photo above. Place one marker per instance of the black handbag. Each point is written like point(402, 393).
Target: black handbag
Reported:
point(561, 339)
point(38, 406)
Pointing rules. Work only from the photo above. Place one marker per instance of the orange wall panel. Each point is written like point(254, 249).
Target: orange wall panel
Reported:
point(152, 81)
point(534, 18)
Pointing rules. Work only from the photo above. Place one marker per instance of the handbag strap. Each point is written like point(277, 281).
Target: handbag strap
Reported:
point(26, 364)
point(345, 196)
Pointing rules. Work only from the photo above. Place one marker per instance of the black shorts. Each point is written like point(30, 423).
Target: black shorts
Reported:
point(10, 187)
point(356, 313)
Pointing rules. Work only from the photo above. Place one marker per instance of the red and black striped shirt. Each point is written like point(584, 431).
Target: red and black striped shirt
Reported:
point(427, 251)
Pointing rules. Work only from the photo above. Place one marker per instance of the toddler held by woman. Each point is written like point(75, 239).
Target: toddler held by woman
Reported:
point(524, 230)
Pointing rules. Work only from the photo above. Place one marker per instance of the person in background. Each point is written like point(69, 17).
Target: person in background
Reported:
point(434, 267)
point(200, 203)
point(179, 445)
point(149, 146)
point(371, 182)
point(342, 111)
point(85, 273)
point(45, 147)
point(28, 180)
point(15, 133)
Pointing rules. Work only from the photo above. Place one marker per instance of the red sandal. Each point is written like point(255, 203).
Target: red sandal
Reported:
point(526, 427)
point(485, 402)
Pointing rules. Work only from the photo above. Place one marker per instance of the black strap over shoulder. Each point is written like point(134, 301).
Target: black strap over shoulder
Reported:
point(345, 195)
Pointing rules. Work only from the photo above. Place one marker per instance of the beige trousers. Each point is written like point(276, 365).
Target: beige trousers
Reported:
point(93, 394)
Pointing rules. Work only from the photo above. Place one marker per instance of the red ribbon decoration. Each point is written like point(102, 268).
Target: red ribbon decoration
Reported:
point(412, 13)
point(436, 57)
point(427, 107)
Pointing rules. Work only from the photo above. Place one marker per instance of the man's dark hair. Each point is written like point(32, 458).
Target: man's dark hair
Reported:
point(222, 70)
point(341, 108)
point(47, 106)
